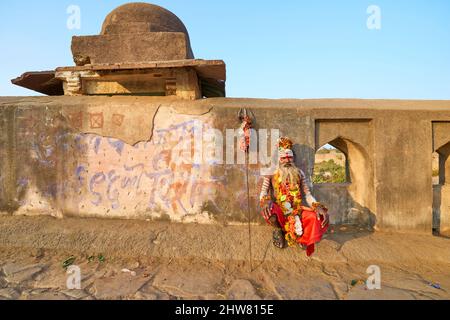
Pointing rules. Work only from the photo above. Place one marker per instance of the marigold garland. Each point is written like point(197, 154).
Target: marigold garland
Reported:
point(290, 200)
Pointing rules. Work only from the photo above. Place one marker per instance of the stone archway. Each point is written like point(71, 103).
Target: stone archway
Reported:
point(441, 193)
point(351, 202)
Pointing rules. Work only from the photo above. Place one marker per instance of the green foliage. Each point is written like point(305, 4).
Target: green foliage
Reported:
point(329, 172)
point(68, 262)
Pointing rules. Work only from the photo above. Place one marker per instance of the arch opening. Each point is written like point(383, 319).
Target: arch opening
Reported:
point(331, 166)
point(349, 186)
point(441, 190)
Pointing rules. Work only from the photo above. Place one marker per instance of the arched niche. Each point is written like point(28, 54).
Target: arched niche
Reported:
point(354, 199)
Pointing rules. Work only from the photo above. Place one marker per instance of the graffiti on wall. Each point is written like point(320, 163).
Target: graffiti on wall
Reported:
point(88, 173)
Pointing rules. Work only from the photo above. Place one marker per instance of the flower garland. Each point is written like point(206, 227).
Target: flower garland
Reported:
point(246, 126)
point(289, 199)
point(285, 143)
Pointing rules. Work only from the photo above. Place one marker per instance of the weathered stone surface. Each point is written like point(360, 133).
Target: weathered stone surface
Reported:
point(137, 126)
point(23, 275)
point(150, 293)
point(44, 295)
point(9, 294)
point(242, 290)
point(135, 32)
point(291, 286)
point(420, 286)
point(54, 277)
point(120, 286)
point(76, 294)
point(133, 48)
point(360, 292)
point(12, 268)
point(3, 282)
point(141, 18)
point(200, 278)
point(37, 253)
point(387, 247)
point(327, 251)
point(16, 274)
point(191, 283)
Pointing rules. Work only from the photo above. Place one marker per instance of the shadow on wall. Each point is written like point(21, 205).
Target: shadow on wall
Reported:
point(45, 151)
point(351, 202)
point(441, 195)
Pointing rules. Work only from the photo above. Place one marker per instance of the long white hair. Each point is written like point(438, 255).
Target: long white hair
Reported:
point(290, 174)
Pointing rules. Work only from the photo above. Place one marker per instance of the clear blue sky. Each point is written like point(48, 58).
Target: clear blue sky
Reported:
point(273, 49)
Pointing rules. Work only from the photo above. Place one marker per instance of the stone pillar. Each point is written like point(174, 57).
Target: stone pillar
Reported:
point(8, 188)
point(445, 210)
point(403, 182)
point(188, 85)
point(72, 81)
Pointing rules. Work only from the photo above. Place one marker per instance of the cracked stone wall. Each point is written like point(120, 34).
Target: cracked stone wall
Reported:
point(133, 157)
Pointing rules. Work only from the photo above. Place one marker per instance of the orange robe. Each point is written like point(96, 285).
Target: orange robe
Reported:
point(288, 204)
point(312, 227)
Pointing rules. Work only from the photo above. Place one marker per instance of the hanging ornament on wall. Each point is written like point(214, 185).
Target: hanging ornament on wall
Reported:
point(245, 130)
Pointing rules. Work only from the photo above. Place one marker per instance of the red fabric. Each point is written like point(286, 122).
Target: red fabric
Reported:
point(281, 218)
point(312, 227)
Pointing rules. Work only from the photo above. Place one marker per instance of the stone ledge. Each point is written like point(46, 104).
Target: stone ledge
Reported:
point(127, 238)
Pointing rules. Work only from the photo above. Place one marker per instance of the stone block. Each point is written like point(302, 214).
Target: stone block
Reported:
point(130, 48)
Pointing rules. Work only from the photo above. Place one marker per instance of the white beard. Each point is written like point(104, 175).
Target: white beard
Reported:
point(290, 174)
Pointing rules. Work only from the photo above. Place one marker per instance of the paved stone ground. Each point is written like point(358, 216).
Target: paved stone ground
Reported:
point(150, 260)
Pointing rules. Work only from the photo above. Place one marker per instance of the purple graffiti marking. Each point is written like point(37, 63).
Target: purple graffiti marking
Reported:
point(118, 145)
point(23, 182)
point(38, 154)
point(135, 180)
point(113, 195)
point(65, 136)
point(97, 179)
point(80, 144)
point(79, 176)
point(98, 141)
point(169, 185)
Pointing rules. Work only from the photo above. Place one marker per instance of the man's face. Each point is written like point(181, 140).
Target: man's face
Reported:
point(286, 161)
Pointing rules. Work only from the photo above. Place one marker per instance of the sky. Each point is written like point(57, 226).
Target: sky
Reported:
point(273, 49)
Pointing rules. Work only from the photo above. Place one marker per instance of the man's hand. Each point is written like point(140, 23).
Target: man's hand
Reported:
point(267, 210)
point(326, 217)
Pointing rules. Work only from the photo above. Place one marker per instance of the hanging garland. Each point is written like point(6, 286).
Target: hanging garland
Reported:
point(290, 200)
point(246, 127)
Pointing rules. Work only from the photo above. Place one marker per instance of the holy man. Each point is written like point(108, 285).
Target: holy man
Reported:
point(281, 204)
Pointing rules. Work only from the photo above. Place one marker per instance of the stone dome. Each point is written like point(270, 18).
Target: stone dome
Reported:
point(141, 17)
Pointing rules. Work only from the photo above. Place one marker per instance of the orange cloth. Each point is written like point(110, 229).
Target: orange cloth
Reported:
point(312, 227)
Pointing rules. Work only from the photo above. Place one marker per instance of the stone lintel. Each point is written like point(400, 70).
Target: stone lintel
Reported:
point(180, 82)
